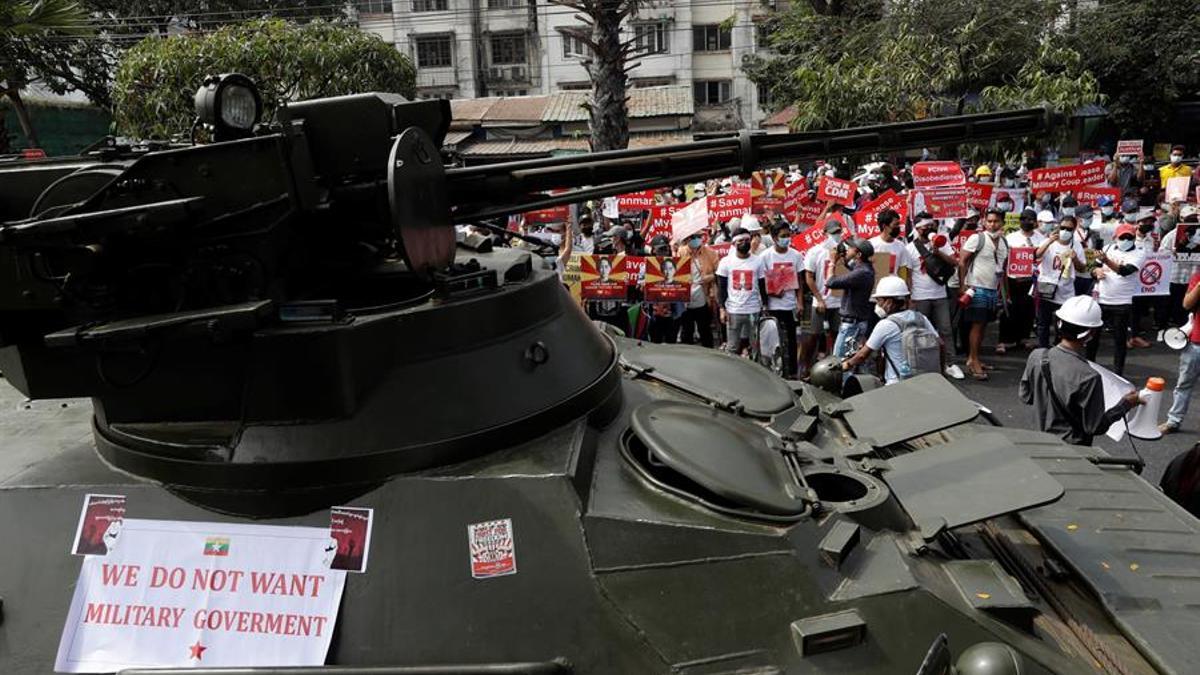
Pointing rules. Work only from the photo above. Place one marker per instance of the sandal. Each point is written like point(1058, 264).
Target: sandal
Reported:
point(978, 375)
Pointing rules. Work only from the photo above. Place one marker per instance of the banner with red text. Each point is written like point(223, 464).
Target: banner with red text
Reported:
point(1063, 178)
point(172, 594)
point(602, 277)
point(793, 196)
point(725, 207)
point(944, 202)
point(1130, 148)
point(659, 222)
point(937, 174)
point(554, 214)
point(809, 238)
point(836, 190)
point(979, 196)
point(635, 202)
point(867, 218)
point(1020, 261)
point(668, 279)
point(1091, 195)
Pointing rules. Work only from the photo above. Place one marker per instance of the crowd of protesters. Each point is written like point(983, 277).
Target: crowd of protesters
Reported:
point(952, 273)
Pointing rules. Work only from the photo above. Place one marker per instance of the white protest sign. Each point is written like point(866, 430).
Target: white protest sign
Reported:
point(1155, 276)
point(1177, 189)
point(689, 220)
point(176, 594)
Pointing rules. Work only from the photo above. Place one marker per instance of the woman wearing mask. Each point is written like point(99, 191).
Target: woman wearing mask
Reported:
point(1059, 258)
point(697, 318)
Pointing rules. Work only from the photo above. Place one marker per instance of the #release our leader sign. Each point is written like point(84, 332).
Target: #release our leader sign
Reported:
point(164, 593)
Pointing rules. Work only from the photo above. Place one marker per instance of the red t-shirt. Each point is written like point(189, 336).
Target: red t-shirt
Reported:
point(1195, 336)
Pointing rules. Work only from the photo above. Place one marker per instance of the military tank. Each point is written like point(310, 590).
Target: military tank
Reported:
point(280, 322)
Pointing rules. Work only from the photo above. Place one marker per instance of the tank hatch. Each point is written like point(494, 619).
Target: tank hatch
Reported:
point(715, 458)
point(731, 383)
point(906, 410)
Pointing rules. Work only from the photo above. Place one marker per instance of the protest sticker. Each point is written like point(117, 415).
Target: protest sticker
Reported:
point(867, 218)
point(809, 238)
point(1091, 195)
point(350, 527)
point(1130, 148)
point(979, 195)
point(937, 174)
point(492, 549)
point(179, 594)
point(781, 276)
point(946, 202)
point(836, 190)
point(1020, 261)
point(100, 524)
point(658, 223)
point(635, 202)
point(602, 277)
point(689, 220)
point(1177, 189)
point(722, 208)
point(554, 214)
point(1063, 178)
point(1155, 275)
point(668, 279)
point(794, 194)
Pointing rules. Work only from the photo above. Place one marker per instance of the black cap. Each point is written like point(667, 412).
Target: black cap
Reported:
point(1069, 202)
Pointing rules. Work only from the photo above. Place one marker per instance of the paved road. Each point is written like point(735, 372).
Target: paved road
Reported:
point(1000, 395)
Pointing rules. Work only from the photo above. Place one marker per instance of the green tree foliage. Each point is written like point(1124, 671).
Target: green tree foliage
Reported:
point(157, 78)
point(918, 58)
point(1145, 56)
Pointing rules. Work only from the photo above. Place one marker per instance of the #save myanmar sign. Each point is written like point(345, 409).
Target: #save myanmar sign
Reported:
point(178, 594)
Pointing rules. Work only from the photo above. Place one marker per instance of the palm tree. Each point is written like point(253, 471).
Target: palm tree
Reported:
point(23, 22)
point(608, 109)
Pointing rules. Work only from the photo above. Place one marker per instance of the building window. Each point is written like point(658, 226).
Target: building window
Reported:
point(433, 52)
point(651, 38)
point(764, 96)
point(429, 5)
point(375, 6)
point(639, 82)
point(574, 47)
point(762, 35)
point(711, 92)
point(575, 86)
point(505, 4)
point(711, 38)
point(508, 49)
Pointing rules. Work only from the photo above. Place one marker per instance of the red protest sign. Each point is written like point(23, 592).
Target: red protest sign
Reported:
point(809, 238)
point(809, 212)
point(668, 279)
point(1130, 148)
point(659, 221)
point(781, 276)
point(947, 202)
point(602, 277)
point(1062, 178)
point(721, 249)
point(867, 217)
point(554, 214)
point(761, 204)
point(937, 174)
point(793, 196)
point(1091, 195)
point(961, 239)
point(635, 201)
point(1020, 261)
point(724, 207)
point(836, 190)
point(635, 270)
point(979, 195)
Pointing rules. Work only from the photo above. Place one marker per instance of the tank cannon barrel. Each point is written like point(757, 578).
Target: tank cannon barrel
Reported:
point(501, 189)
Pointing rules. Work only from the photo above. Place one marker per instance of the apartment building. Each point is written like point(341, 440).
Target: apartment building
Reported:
point(489, 48)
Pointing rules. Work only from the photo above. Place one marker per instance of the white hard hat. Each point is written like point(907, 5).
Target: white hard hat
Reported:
point(1045, 217)
point(750, 223)
point(734, 223)
point(1082, 311)
point(890, 286)
point(698, 187)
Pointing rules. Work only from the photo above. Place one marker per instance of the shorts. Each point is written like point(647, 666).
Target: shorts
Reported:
point(831, 314)
point(983, 305)
point(741, 327)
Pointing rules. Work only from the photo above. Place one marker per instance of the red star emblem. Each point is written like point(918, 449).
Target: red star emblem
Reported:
point(197, 650)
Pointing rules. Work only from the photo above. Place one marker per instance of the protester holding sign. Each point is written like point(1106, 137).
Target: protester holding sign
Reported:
point(1059, 258)
point(826, 311)
point(741, 286)
point(1017, 324)
point(889, 243)
point(934, 264)
point(783, 266)
point(982, 269)
point(1118, 281)
point(698, 312)
point(1175, 169)
point(856, 285)
point(1126, 173)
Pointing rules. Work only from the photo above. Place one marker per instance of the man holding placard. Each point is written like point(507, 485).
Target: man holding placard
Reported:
point(783, 265)
point(1120, 262)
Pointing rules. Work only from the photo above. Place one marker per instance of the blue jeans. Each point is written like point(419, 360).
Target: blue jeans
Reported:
point(1189, 370)
point(849, 329)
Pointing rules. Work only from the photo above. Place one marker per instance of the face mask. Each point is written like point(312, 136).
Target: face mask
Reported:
point(1175, 159)
point(1106, 210)
point(1125, 244)
point(1130, 218)
point(1068, 210)
point(694, 243)
point(1064, 235)
point(743, 247)
point(1126, 160)
point(880, 311)
point(784, 242)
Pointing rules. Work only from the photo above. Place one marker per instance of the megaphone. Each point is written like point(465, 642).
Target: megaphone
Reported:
point(1177, 338)
point(1144, 424)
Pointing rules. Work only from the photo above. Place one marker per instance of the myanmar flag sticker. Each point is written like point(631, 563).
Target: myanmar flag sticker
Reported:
point(216, 546)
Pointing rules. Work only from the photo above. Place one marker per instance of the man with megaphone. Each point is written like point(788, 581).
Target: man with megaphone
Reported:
point(1189, 360)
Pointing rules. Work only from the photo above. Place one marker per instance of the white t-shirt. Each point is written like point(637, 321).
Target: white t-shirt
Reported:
point(743, 275)
point(923, 287)
point(991, 257)
point(1056, 265)
point(1020, 239)
point(585, 245)
point(793, 262)
point(1114, 288)
point(886, 337)
point(819, 263)
point(898, 251)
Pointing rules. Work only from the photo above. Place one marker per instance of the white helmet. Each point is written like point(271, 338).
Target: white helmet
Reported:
point(1045, 217)
point(750, 223)
point(734, 223)
point(890, 286)
point(1082, 311)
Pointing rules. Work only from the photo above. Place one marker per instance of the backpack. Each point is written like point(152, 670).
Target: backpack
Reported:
point(921, 346)
point(939, 270)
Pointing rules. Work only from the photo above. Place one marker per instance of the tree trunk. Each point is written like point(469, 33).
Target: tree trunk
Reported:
point(609, 110)
point(14, 95)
